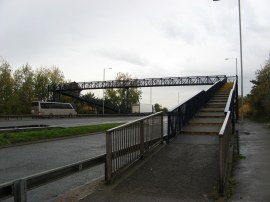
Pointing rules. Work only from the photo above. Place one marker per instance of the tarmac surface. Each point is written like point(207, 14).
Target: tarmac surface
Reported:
point(253, 172)
point(186, 170)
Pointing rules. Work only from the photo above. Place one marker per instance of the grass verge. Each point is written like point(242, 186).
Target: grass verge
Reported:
point(30, 136)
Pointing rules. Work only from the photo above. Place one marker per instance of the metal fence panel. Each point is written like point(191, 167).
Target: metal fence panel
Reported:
point(130, 142)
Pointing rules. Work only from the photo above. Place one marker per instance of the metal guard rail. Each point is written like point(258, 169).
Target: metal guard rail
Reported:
point(226, 137)
point(225, 149)
point(18, 188)
point(232, 104)
point(130, 142)
point(230, 98)
point(180, 115)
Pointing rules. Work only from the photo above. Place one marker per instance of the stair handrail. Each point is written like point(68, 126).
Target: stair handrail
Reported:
point(180, 115)
point(230, 98)
point(225, 136)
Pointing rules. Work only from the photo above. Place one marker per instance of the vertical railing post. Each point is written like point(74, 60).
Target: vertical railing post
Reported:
point(233, 112)
point(19, 191)
point(221, 165)
point(168, 127)
point(141, 139)
point(161, 127)
point(236, 97)
point(108, 165)
point(237, 143)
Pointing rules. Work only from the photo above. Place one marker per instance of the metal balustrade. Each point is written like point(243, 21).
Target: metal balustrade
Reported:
point(225, 152)
point(228, 137)
point(180, 115)
point(130, 142)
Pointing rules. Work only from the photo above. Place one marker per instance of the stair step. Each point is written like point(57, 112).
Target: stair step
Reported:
point(210, 115)
point(223, 99)
point(214, 102)
point(221, 96)
point(215, 109)
point(206, 121)
point(201, 129)
point(215, 106)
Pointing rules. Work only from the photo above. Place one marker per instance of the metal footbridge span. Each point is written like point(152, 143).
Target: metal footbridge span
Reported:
point(137, 83)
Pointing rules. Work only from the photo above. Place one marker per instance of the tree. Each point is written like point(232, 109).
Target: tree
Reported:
point(159, 108)
point(55, 77)
point(41, 82)
point(24, 88)
point(6, 88)
point(17, 90)
point(260, 92)
point(86, 108)
point(123, 97)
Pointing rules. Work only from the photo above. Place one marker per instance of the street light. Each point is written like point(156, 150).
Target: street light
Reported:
point(241, 56)
point(236, 69)
point(104, 70)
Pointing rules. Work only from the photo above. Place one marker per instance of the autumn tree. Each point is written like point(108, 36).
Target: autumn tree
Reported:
point(123, 97)
point(41, 82)
point(159, 108)
point(259, 97)
point(18, 89)
point(6, 88)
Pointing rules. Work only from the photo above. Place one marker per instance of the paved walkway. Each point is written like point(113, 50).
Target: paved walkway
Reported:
point(184, 170)
point(253, 172)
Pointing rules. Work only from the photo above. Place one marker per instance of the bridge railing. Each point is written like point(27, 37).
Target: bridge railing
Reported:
point(180, 115)
point(130, 142)
point(225, 152)
point(227, 138)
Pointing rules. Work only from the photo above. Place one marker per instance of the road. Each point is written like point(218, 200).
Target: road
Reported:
point(67, 122)
point(21, 161)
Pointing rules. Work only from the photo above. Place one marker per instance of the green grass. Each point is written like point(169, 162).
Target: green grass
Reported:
point(7, 138)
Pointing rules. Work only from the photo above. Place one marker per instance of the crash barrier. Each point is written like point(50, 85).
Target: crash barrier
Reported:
point(18, 188)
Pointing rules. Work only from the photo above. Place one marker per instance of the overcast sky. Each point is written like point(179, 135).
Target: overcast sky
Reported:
point(146, 38)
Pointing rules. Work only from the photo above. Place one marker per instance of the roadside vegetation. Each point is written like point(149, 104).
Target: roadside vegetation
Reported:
point(18, 88)
point(257, 103)
point(8, 138)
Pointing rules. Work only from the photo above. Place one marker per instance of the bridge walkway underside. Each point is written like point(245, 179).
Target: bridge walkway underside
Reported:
point(184, 170)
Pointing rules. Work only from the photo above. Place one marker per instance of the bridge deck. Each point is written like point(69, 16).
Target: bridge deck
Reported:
point(184, 170)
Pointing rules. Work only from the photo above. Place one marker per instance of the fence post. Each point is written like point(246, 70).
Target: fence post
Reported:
point(108, 164)
point(161, 122)
point(19, 191)
point(168, 127)
point(221, 165)
point(237, 143)
point(141, 139)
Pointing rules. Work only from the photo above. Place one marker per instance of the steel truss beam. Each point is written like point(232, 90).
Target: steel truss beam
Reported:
point(137, 83)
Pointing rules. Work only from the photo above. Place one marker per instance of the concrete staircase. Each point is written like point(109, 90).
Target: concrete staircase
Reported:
point(209, 119)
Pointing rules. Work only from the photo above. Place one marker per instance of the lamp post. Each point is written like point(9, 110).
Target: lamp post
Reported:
point(104, 70)
point(236, 69)
point(241, 56)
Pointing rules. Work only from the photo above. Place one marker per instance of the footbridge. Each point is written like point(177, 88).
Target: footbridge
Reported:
point(201, 133)
point(194, 165)
point(73, 89)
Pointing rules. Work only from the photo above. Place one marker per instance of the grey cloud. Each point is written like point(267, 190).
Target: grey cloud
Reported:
point(126, 56)
point(177, 29)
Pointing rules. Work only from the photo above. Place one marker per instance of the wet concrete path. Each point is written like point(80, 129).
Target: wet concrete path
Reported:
point(253, 172)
